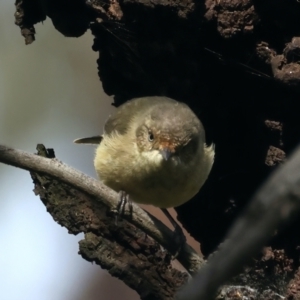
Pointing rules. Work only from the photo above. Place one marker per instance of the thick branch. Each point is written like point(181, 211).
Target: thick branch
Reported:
point(120, 248)
point(94, 188)
point(272, 207)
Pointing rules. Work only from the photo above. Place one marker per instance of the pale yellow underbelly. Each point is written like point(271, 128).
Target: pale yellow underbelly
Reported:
point(157, 182)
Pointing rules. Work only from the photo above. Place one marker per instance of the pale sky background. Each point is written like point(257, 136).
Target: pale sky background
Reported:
point(49, 93)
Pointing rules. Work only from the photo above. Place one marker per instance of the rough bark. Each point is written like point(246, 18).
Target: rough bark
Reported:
point(120, 247)
point(236, 63)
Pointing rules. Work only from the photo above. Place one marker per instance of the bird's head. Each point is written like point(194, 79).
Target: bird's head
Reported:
point(171, 131)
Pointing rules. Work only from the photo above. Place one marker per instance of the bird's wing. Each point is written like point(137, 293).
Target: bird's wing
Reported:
point(89, 140)
point(119, 122)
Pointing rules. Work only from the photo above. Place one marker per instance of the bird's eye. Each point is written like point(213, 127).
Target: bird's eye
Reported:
point(150, 136)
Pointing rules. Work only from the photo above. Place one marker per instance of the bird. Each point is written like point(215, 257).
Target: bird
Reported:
point(154, 150)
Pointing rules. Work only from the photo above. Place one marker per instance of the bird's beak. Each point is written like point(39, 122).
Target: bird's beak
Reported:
point(166, 153)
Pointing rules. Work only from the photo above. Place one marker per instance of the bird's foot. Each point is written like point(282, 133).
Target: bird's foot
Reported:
point(178, 234)
point(179, 239)
point(123, 200)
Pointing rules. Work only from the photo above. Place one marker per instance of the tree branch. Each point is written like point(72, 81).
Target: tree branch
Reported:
point(273, 206)
point(105, 196)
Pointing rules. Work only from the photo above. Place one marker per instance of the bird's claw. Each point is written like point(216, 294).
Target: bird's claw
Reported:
point(123, 200)
point(179, 239)
point(178, 234)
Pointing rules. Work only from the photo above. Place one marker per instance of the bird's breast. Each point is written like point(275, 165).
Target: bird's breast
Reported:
point(146, 176)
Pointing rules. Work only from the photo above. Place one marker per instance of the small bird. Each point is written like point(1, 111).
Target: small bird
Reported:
point(154, 150)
